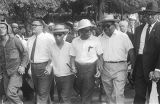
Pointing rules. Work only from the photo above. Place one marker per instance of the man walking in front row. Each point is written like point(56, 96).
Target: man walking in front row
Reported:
point(40, 47)
point(13, 60)
point(64, 76)
point(147, 48)
point(116, 46)
point(86, 56)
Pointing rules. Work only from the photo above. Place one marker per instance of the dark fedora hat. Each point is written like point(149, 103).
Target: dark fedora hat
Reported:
point(151, 8)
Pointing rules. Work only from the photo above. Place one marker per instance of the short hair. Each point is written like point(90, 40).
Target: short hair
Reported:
point(40, 20)
point(124, 22)
point(42, 23)
point(15, 24)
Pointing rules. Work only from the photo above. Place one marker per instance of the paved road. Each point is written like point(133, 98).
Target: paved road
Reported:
point(129, 94)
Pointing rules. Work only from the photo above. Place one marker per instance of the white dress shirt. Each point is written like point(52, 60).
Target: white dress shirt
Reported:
point(116, 47)
point(86, 51)
point(143, 37)
point(45, 47)
point(63, 58)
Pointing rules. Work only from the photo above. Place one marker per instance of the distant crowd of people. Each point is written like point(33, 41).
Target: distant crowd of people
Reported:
point(72, 55)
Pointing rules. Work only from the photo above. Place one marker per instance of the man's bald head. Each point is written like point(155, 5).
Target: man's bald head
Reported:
point(14, 25)
point(123, 26)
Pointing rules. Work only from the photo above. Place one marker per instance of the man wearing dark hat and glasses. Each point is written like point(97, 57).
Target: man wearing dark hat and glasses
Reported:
point(147, 48)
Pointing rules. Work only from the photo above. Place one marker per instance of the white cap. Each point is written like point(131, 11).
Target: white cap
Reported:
point(84, 23)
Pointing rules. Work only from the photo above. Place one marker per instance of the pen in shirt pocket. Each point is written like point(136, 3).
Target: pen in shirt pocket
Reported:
point(89, 48)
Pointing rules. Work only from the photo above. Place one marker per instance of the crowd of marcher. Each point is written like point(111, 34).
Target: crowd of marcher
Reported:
point(71, 56)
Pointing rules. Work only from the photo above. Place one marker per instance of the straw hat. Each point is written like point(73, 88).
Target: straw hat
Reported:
point(151, 8)
point(109, 17)
point(60, 28)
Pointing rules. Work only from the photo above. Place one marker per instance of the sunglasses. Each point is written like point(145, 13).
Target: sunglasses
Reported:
point(58, 34)
point(107, 25)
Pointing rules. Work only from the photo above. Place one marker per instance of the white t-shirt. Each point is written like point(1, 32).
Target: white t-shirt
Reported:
point(86, 51)
point(63, 58)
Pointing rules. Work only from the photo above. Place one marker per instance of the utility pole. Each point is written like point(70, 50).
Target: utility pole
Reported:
point(100, 9)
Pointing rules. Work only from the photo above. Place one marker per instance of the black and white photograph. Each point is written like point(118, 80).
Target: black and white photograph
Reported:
point(79, 51)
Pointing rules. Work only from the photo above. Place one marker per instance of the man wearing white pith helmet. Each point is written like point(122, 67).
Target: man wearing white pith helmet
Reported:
point(86, 59)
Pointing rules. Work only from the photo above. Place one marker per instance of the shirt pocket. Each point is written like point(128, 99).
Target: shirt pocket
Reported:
point(13, 53)
point(91, 50)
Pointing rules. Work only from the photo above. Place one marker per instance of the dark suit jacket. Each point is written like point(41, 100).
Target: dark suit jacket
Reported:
point(151, 52)
point(131, 36)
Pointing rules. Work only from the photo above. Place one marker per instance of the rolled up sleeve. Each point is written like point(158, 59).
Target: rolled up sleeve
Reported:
point(72, 50)
point(99, 47)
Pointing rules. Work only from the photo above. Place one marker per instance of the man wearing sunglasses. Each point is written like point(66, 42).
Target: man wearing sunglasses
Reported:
point(86, 59)
point(147, 49)
point(64, 75)
point(116, 46)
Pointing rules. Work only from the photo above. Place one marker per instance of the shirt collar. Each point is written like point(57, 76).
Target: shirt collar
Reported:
point(153, 24)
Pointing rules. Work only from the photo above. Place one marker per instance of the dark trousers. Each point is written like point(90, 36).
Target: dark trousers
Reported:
point(52, 90)
point(141, 83)
point(85, 81)
point(1, 89)
point(27, 89)
point(65, 87)
point(42, 83)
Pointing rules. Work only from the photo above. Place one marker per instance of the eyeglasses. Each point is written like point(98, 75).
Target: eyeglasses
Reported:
point(2, 27)
point(150, 15)
point(86, 30)
point(15, 27)
point(35, 25)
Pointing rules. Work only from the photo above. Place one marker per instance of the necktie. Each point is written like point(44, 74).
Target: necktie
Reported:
point(147, 33)
point(33, 50)
point(132, 30)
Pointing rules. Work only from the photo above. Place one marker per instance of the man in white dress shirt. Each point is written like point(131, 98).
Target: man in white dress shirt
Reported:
point(40, 47)
point(116, 46)
point(86, 57)
point(64, 76)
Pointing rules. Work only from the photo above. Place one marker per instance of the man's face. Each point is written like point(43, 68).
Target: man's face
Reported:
point(59, 36)
point(51, 28)
point(3, 29)
point(123, 27)
point(15, 29)
point(132, 22)
point(151, 18)
point(85, 32)
point(37, 27)
point(108, 28)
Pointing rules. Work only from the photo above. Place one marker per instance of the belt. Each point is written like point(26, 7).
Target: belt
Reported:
point(39, 63)
point(115, 61)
